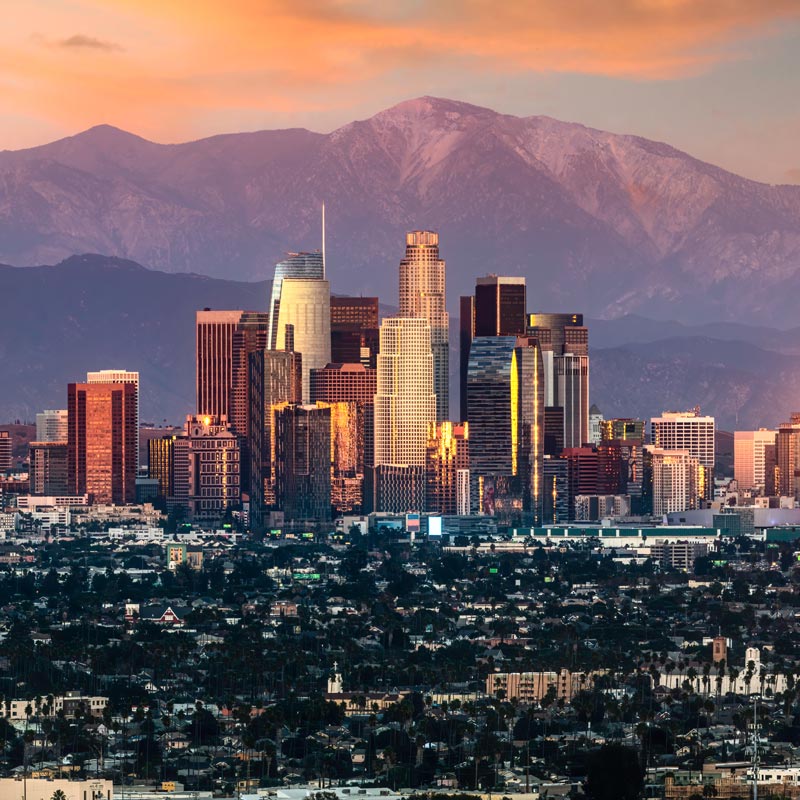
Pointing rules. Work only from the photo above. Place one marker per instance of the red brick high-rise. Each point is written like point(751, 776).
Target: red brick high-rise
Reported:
point(102, 441)
point(224, 341)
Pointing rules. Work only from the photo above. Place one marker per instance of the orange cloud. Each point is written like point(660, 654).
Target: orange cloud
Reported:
point(158, 67)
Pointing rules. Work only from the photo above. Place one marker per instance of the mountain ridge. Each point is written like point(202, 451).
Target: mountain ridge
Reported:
point(604, 223)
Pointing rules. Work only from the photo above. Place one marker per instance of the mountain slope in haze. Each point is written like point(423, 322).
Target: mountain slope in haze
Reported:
point(634, 328)
point(741, 384)
point(91, 312)
point(598, 222)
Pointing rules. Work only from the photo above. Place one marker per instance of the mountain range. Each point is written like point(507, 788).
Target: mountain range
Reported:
point(62, 321)
point(95, 312)
point(598, 222)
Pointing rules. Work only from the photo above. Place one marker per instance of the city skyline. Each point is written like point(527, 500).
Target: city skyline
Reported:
point(448, 454)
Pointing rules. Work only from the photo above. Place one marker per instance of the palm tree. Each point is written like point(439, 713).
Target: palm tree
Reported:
point(733, 675)
point(691, 674)
point(707, 678)
point(748, 676)
point(720, 675)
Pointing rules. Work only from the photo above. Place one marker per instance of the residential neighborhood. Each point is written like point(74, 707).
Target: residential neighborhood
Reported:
point(503, 663)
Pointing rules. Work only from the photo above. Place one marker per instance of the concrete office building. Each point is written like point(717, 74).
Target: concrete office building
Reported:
point(206, 469)
point(48, 468)
point(594, 507)
point(678, 555)
point(51, 425)
point(595, 425)
point(676, 480)
point(692, 432)
point(749, 457)
point(6, 459)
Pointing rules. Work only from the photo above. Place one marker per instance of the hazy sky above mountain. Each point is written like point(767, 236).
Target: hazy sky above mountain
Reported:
point(717, 78)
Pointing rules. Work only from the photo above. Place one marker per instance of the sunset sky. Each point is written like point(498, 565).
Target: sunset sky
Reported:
point(717, 78)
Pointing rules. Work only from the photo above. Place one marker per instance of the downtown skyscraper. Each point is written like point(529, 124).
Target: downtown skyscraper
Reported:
point(354, 330)
point(275, 381)
point(303, 461)
point(405, 406)
point(224, 342)
point(496, 309)
point(224, 339)
point(565, 348)
point(120, 376)
point(301, 297)
point(352, 385)
point(677, 480)
point(505, 405)
point(6, 458)
point(48, 468)
point(422, 296)
point(447, 469)
point(693, 433)
point(787, 458)
point(750, 457)
point(102, 441)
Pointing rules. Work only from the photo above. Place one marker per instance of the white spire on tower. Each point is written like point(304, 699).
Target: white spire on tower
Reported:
point(323, 240)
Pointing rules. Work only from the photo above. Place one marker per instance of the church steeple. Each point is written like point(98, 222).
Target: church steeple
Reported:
point(335, 682)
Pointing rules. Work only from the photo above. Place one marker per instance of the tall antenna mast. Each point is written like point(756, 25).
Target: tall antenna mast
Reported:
point(323, 241)
point(756, 755)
